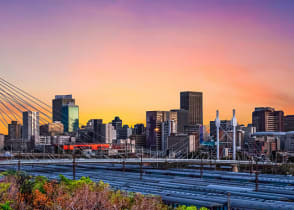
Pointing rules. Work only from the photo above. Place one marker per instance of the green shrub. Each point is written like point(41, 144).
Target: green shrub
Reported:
point(5, 206)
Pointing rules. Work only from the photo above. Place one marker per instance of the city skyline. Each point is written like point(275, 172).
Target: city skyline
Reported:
point(124, 58)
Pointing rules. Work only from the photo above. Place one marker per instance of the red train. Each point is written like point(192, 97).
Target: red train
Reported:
point(87, 146)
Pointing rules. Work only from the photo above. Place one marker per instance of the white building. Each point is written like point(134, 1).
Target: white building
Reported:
point(43, 140)
point(61, 140)
point(30, 125)
point(108, 133)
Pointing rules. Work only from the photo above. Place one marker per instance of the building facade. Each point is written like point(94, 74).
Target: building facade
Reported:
point(14, 130)
point(268, 119)
point(125, 132)
point(58, 103)
point(108, 133)
point(139, 129)
point(289, 123)
point(193, 103)
point(182, 119)
point(30, 125)
point(154, 120)
point(70, 118)
point(117, 124)
point(52, 129)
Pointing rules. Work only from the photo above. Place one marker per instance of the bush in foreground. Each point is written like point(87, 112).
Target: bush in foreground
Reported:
point(20, 191)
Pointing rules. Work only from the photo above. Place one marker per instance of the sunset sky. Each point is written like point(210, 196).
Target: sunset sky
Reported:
point(124, 57)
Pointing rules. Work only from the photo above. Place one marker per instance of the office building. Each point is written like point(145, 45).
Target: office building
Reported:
point(52, 129)
point(140, 140)
point(168, 128)
point(182, 143)
point(2, 142)
point(182, 119)
point(62, 140)
point(70, 118)
point(248, 132)
point(139, 129)
point(193, 103)
point(125, 132)
point(108, 133)
point(154, 120)
point(117, 124)
point(268, 119)
point(14, 130)
point(30, 125)
point(58, 103)
point(289, 142)
point(289, 123)
point(96, 126)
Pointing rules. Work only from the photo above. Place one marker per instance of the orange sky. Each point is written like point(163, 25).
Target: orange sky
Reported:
point(124, 58)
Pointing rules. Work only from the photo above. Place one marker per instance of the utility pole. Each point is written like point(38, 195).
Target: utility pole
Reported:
point(201, 169)
point(217, 124)
point(141, 165)
point(74, 165)
point(229, 201)
point(256, 180)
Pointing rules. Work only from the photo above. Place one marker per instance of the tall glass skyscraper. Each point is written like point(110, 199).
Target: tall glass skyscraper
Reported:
point(58, 103)
point(70, 117)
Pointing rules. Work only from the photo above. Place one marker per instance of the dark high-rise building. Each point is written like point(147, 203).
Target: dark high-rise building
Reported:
point(267, 119)
point(182, 119)
point(97, 127)
point(58, 103)
point(93, 131)
point(117, 124)
point(154, 120)
point(193, 103)
point(14, 130)
point(289, 123)
point(139, 129)
point(125, 132)
point(140, 140)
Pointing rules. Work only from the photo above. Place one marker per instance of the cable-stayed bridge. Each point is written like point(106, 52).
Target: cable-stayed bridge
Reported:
point(14, 101)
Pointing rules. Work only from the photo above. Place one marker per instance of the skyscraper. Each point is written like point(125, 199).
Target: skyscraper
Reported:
point(108, 133)
point(289, 123)
point(117, 124)
point(14, 130)
point(58, 103)
point(70, 117)
point(182, 119)
point(267, 119)
point(193, 103)
point(139, 129)
point(125, 132)
point(30, 125)
point(154, 120)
